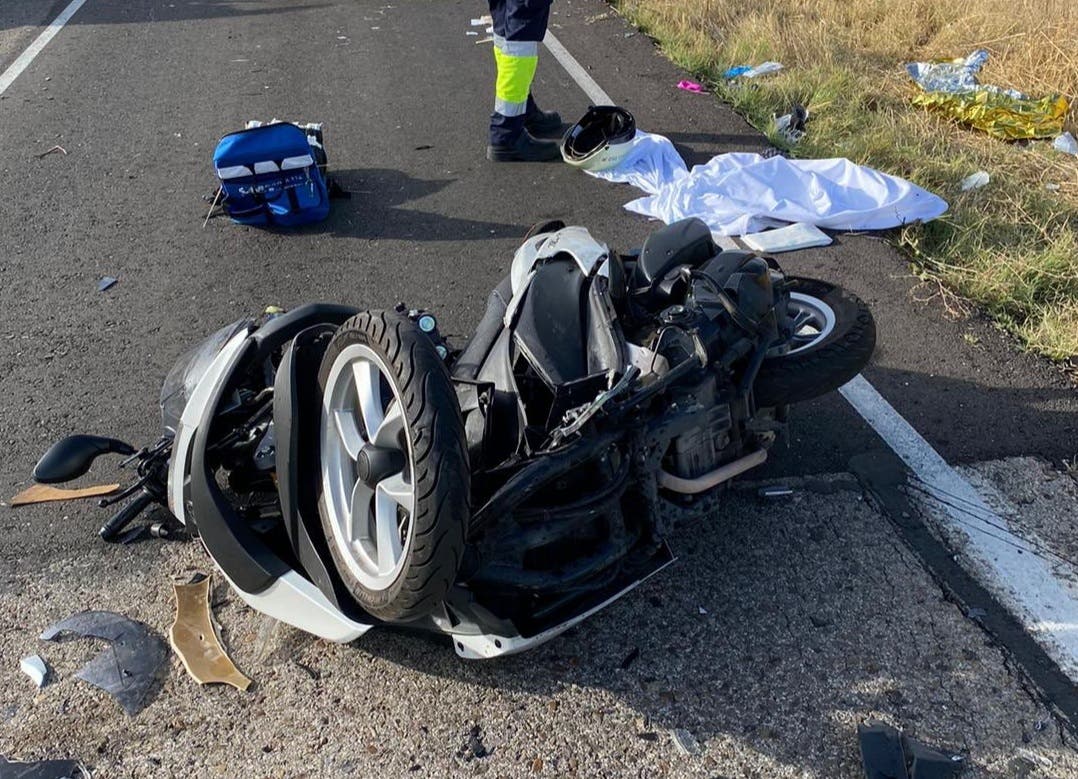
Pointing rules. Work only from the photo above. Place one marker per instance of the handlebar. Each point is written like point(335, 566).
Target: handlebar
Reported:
point(125, 515)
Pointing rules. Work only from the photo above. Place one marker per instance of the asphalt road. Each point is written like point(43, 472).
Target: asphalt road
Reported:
point(138, 93)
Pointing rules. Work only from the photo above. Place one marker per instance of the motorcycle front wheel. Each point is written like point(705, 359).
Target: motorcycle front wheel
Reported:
point(834, 336)
point(394, 496)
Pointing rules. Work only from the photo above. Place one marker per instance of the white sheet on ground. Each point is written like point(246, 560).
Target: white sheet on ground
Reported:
point(651, 164)
point(741, 193)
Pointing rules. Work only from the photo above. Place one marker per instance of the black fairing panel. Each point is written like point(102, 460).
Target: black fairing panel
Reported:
point(244, 557)
point(565, 326)
point(296, 417)
point(471, 360)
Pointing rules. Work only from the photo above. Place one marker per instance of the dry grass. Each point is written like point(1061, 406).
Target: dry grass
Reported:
point(1012, 247)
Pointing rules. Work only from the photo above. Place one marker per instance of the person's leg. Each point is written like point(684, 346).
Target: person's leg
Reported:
point(519, 26)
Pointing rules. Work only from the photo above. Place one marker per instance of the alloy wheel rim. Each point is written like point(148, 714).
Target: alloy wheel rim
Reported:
point(367, 483)
point(813, 321)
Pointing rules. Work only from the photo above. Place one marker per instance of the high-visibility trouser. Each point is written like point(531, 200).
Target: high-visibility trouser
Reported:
point(519, 26)
point(516, 61)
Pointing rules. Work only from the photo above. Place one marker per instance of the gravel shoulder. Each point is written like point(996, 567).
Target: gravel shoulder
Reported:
point(780, 628)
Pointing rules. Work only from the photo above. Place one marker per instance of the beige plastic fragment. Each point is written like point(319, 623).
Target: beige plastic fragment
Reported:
point(193, 638)
point(43, 493)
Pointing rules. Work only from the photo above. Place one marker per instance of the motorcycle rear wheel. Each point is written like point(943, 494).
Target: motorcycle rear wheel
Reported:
point(394, 488)
point(834, 337)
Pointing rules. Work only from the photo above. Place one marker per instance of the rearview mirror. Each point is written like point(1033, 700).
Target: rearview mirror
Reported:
point(71, 457)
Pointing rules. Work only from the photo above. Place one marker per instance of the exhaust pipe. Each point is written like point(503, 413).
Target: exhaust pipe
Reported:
point(714, 478)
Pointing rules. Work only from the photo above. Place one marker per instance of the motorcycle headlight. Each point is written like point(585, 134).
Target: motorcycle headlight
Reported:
point(188, 371)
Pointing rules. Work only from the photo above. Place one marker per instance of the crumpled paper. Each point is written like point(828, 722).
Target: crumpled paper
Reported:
point(951, 86)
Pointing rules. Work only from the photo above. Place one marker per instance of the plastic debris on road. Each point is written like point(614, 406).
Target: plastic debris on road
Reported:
point(42, 769)
point(106, 282)
point(887, 753)
point(43, 493)
point(974, 181)
point(686, 742)
point(951, 86)
point(691, 86)
point(752, 71)
point(787, 239)
point(1066, 143)
point(36, 668)
point(194, 639)
point(127, 668)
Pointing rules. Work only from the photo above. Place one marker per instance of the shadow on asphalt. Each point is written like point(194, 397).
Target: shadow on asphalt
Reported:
point(377, 208)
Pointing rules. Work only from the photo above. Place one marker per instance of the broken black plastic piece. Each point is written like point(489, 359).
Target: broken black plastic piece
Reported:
point(886, 753)
point(881, 752)
point(127, 669)
point(41, 769)
point(928, 763)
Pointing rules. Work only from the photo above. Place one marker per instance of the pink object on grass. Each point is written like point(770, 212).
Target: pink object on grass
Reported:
point(691, 86)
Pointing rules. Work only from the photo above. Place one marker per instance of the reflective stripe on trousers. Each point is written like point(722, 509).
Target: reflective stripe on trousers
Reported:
point(516, 62)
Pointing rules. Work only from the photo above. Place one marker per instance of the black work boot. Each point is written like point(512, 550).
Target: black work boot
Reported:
point(543, 123)
point(525, 149)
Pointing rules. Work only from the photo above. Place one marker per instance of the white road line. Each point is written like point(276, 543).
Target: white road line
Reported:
point(1047, 607)
point(23, 60)
point(1015, 573)
point(594, 92)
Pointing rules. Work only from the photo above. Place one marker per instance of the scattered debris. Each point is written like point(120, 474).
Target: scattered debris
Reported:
point(313, 673)
point(974, 181)
point(791, 126)
point(194, 639)
point(127, 669)
point(701, 611)
point(751, 71)
point(424, 147)
point(691, 86)
point(775, 490)
point(482, 20)
point(106, 282)
point(43, 493)
point(53, 150)
point(42, 769)
point(686, 742)
point(1051, 187)
point(887, 753)
point(951, 86)
point(36, 668)
point(471, 32)
point(473, 747)
point(630, 658)
point(1066, 143)
point(800, 235)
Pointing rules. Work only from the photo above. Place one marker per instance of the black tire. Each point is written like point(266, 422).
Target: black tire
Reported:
point(828, 364)
point(440, 472)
